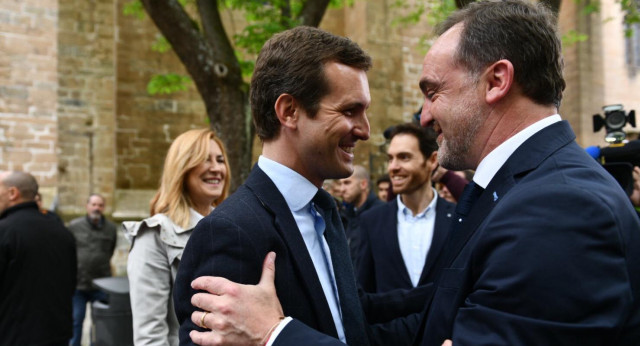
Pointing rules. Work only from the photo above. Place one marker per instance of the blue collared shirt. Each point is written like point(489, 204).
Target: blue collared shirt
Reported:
point(298, 193)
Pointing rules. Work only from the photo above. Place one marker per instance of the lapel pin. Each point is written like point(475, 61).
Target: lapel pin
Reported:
point(495, 196)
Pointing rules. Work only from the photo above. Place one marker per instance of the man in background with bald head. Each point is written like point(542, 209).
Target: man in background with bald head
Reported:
point(356, 193)
point(37, 268)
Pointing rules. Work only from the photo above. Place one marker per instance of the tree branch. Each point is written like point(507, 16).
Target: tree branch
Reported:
point(313, 11)
point(285, 12)
point(187, 42)
point(216, 35)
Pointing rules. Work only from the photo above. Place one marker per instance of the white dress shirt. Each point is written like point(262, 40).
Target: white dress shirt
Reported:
point(298, 193)
point(415, 234)
point(490, 165)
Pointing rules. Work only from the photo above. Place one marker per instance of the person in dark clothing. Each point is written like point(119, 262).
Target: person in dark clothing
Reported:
point(384, 188)
point(37, 268)
point(95, 241)
point(357, 195)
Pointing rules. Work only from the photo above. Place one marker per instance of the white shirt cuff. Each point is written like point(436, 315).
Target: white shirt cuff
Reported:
point(277, 331)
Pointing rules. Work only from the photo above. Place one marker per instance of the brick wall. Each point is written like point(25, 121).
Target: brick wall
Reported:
point(74, 109)
point(86, 102)
point(28, 120)
point(595, 70)
point(146, 125)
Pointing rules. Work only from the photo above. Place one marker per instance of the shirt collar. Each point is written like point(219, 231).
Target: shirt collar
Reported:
point(195, 217)
point(402, 208)
point(296, 189)
point(490, 165)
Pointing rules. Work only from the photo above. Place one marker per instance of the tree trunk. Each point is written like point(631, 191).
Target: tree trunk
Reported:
point(216, 73)
point(210, 60)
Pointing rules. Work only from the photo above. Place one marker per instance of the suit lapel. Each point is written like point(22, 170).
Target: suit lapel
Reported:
point(284, 223)
point(527, 157)
point(444, 217)
point(388, 233)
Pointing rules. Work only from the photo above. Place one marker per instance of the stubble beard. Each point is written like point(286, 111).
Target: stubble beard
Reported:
point(454, 153)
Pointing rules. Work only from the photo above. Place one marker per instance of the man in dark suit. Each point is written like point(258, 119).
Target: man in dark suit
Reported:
point(356, 193)
point(309, 94)
point(401, 239)
point(37, 268)
point(545, 247)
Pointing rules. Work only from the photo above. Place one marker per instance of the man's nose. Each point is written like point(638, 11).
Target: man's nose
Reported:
point(392, 165)
point(361, 127)
point(426, 119)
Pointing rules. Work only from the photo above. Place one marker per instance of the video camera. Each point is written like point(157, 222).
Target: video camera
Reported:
point(621, 155)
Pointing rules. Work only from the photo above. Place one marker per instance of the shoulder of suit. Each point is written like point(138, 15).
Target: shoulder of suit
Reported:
point(444, 204)
point(379, 210)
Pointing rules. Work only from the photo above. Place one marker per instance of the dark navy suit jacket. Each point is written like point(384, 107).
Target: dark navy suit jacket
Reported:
point(233, 241)
point(549, 255)
point(381, 267)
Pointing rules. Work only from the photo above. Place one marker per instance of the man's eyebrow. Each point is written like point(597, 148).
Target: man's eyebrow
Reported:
point(355, 105)
point(425, 83)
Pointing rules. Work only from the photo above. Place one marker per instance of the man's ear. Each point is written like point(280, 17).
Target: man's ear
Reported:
point(14, 193)
point(432, 161)
point(364, 184)
point(287, 111)
point(499, 79)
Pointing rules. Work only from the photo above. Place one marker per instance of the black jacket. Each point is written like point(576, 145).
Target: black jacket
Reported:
point(37, 277)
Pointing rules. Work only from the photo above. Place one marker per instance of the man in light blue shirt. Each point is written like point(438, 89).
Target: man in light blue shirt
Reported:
point(544, 251)
point(401, 239)
point(309, 96)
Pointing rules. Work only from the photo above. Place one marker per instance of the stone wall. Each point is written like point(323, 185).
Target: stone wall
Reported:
point(28, 86)
point(74, 109)
point(86, 102)
point(146, 125)
point(595, 70)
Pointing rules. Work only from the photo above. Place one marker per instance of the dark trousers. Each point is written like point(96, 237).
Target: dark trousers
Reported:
point(80, 300)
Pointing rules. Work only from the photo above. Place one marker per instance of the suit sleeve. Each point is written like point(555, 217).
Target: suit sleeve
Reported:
point(549, 269)
point(217, 247)
point(365, 272)
point(297, 333)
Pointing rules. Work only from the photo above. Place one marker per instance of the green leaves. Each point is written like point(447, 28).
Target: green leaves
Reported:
point(573, 37)
point(168, 83)
point(134, 8)
point(161, 44)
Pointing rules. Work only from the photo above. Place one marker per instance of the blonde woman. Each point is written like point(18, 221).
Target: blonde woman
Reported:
point(195, 179)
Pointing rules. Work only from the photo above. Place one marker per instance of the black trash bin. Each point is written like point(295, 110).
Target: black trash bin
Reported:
point(112, 324)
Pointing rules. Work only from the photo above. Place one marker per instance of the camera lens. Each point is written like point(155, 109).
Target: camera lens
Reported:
point(615, 120)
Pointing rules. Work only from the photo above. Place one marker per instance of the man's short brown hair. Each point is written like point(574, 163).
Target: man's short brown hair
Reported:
point(292, 62)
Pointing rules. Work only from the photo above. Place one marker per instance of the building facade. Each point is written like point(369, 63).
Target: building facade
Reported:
point(74, 110)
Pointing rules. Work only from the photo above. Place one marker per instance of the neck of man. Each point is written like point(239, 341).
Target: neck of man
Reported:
point(363, 198)
point(94, 219)
point(281, 151)
point(418, 199)
point(507, 119)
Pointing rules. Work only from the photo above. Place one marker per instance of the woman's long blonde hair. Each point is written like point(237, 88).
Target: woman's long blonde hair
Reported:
point(186, 152)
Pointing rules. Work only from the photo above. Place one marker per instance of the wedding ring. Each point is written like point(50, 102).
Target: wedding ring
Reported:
point(202, 325)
